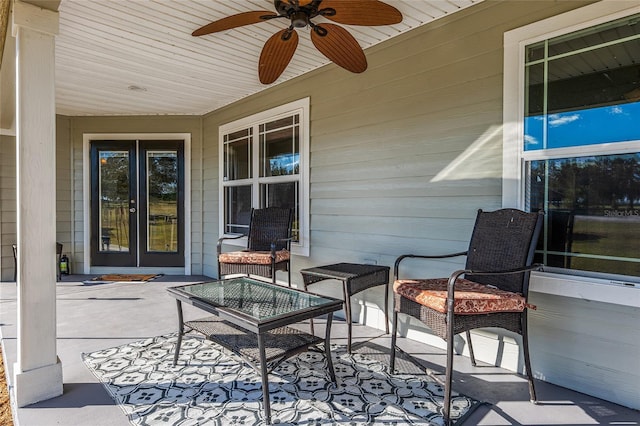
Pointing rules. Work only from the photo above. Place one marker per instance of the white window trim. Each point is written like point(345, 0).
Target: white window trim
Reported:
point(617, 291)
point(302, 108)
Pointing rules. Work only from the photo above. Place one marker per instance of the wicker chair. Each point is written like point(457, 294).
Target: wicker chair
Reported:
point(268, 246)
point(58, 256)
point(493, 292)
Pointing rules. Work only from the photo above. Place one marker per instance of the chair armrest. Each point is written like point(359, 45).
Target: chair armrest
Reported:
point(396, 267)
point(534, 267)
point(274, 242)
point(453, 277)
point(221, 239)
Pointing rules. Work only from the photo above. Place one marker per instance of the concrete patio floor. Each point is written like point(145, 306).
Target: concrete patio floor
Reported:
point(99, 316)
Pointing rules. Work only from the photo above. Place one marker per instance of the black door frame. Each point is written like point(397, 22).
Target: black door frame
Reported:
point(137, 255)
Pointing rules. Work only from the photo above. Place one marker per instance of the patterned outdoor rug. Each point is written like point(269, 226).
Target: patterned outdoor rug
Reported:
point(211, 387)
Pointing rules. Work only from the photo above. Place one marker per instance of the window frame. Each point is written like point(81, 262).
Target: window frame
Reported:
point(515, 42)
point(300, 107)
point(514, 88)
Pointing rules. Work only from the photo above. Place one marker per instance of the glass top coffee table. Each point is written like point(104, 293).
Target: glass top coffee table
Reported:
point(251, 319)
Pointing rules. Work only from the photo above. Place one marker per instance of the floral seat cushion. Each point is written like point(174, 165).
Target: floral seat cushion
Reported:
point(470, 297)
point(253, 257)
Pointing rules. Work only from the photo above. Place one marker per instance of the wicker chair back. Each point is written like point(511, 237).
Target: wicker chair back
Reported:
point(501, 240)
point(267, 225)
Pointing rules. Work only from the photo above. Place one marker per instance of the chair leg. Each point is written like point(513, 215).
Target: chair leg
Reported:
point(273, 272)
point(471, 355)
point(394, 331)
point(527, 362)
point(386, 309)
point(446, 409)
point(15, 263)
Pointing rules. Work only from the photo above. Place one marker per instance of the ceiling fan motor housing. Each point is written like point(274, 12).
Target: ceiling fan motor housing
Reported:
point(297, 13)
point(299, 19)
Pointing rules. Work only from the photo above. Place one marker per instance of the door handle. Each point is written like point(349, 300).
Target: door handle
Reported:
point(132, 209)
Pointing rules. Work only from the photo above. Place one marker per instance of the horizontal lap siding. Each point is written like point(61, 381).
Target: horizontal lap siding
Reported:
point(210, 194)
point(404, 154)
point(7, 205)
point(417, 135)
point(587, 346)
point(390, 159)
point(76, 155)
point(64, 191)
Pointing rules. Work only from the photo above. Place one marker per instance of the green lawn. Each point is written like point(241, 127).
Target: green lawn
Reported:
point(609, 236)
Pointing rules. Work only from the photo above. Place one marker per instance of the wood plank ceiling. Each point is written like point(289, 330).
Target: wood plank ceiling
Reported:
point(137, 57)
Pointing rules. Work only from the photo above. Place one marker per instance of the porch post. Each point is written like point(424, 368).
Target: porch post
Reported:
point(38, 371)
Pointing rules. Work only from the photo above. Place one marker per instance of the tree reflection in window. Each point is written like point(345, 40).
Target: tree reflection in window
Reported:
point(593, 210)
point(114, 200)
point(162, 201)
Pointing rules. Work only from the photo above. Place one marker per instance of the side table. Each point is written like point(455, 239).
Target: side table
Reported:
point(355, 277)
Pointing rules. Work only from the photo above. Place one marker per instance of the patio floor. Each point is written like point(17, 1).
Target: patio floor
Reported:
point(92, 317)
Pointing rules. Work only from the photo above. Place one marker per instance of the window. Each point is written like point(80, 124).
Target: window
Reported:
point(578, 153)
point(263, 163)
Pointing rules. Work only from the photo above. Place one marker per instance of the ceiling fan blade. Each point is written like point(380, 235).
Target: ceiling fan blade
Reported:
point(234, 21)
point(362, 12)
point(339, 46)
point(276, 55)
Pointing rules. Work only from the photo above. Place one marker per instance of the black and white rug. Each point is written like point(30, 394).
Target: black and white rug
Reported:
point(210, 386)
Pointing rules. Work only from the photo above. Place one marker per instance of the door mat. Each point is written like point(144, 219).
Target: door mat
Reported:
point(214, 387)
point(126, 277)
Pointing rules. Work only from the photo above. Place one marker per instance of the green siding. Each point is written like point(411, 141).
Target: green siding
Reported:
point(414, 140)
point(7, 205)
point(403, 155)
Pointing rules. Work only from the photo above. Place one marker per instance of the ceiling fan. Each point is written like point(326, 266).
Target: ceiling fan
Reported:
point(333, 41)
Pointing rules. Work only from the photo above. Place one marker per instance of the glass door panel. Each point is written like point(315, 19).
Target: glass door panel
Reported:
point(161, 203)
point(113, 191)
point(114, 200)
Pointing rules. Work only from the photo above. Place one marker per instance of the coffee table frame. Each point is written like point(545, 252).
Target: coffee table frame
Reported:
point(263, 344)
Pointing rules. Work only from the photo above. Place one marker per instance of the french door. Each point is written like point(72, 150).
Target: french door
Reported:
point(137, 203)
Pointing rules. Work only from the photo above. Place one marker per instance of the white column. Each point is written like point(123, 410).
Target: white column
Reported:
point(38, 371)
